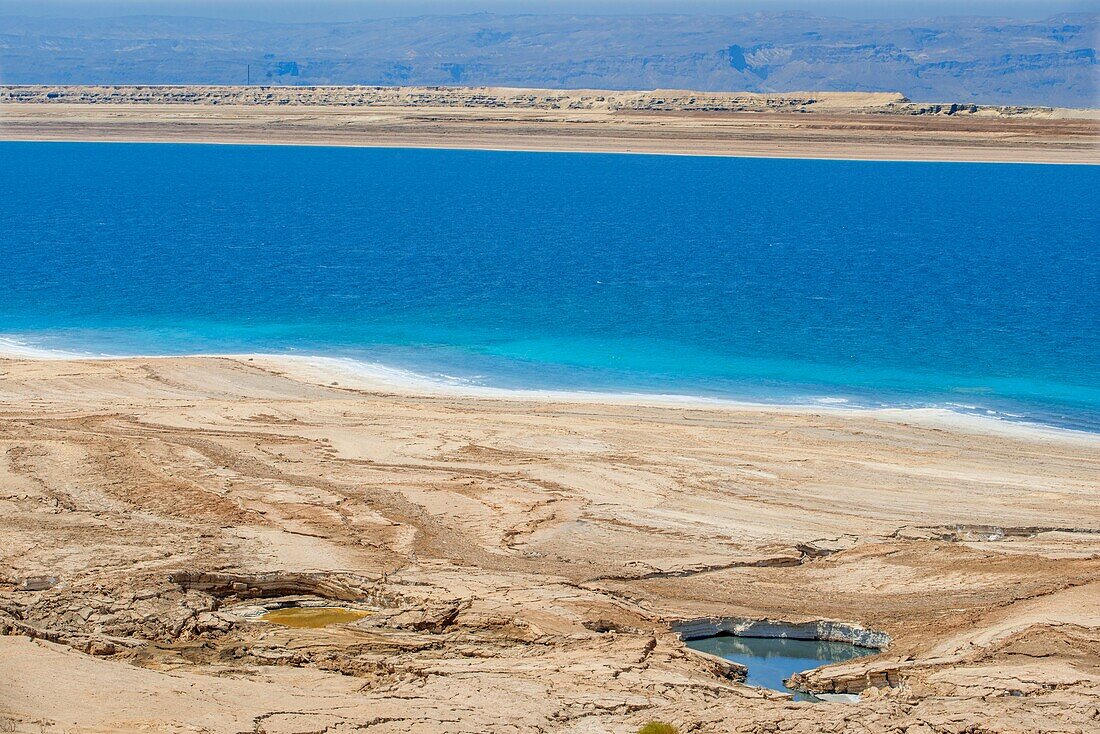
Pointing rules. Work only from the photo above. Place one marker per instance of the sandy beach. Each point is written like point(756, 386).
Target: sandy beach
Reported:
point(847, 125)
point(521, 564)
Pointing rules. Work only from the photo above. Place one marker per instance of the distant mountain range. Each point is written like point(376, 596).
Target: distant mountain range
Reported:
point(957, 59)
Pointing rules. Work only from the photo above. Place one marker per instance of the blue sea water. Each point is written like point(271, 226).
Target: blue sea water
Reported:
point(972, 286)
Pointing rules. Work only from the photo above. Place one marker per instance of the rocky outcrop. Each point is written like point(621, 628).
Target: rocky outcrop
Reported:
point(335, 587)
point(823, 629)
point(983, 533)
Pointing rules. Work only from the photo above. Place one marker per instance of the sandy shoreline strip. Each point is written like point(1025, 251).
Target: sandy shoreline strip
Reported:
point(846, 151)
point(375, 377)
point(845, 126)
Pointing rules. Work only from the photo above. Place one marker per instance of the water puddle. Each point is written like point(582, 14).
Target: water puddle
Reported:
point(312, 617)
point(772, 660)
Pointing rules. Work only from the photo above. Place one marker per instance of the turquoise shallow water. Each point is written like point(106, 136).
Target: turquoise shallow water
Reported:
point(971, 286)
point(771, 661)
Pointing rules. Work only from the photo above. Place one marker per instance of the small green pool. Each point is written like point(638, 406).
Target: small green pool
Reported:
point(313, 617)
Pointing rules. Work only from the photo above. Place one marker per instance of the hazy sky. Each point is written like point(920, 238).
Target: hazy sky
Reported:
point(337, 10)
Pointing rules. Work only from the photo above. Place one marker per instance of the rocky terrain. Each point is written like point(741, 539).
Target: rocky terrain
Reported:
point(969, 60)
point(521, 565)
point(490, 98)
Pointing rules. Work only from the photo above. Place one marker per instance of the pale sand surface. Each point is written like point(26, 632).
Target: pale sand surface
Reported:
point(800, 125)
point(522, 559)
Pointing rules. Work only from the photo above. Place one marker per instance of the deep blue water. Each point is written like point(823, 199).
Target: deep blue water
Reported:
point(974, 286)
point(771, 661)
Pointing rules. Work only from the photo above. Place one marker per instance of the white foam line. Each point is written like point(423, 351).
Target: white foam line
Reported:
point(353, 374)
point(13, 348)
point(359, 375)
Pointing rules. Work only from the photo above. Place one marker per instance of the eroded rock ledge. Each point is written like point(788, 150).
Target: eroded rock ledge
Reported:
point(822, 629)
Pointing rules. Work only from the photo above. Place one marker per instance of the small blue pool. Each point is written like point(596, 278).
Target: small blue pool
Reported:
point(773, 660)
